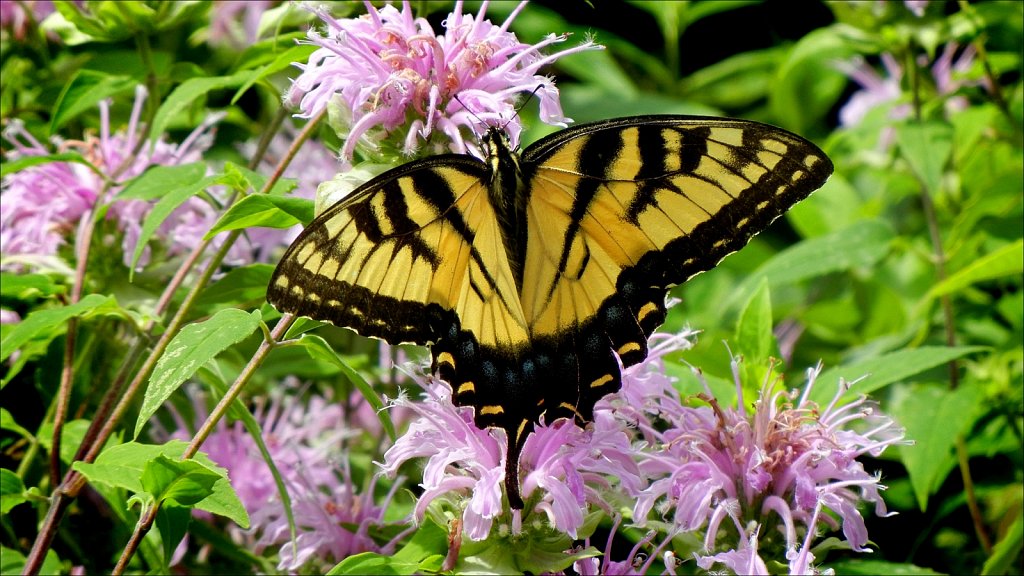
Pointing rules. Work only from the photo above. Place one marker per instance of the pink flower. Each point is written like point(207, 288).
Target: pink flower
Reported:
point(235, 24)
point(390, 74)
point(307, 445)
point(14, 15)
point(877, 90)
point(780, 464)
point(44, 204)
point(569, 467)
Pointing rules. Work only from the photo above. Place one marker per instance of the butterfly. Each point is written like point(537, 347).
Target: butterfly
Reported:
point(533, 276)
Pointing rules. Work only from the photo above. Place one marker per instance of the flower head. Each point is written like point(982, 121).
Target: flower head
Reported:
point(15, 16)
point(306, 443)
point(878, 90)
point(389, 74)
point(44, 204)
point(782, 464)
point(236, 24)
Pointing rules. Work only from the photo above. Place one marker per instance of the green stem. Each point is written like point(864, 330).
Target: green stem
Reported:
point(948, 317)
point(145, 523)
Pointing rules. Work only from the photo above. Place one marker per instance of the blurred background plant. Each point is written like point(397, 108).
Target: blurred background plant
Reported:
point(132, 128)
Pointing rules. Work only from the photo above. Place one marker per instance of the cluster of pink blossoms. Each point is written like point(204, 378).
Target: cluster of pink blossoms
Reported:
point(387, 72)
point(787, 463)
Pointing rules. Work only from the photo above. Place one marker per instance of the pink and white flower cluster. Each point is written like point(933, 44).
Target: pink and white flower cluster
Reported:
point(387, 74)
point(758, 484)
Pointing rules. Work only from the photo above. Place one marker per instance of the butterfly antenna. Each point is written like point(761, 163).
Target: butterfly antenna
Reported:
point(470, 110)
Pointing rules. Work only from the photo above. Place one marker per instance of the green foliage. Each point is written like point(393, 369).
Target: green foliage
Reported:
point(190, 349)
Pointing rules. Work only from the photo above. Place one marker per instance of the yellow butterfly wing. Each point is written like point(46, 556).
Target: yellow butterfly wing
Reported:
point(532, 278)
point(409, 257)
point(620, 211)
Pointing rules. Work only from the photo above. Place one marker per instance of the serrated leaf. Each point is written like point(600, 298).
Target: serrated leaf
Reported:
point(934, 417)
point(12, 490)
point(187, 482)
point(84, 92)
point(159, 181)
point(53, 320)
point(318, 348)
point(875, 373)
point(927, 147)
point(188, 92)
point(862, 244)
point(121, 466)
point(194, 346)
point(1005, 261)
point(161, 210)
point(263, 210)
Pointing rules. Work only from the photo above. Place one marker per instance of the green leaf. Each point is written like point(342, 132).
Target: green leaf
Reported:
point(8, 168)
point(172, 520)
point(872, 567)
point(808, 83)
point(71, 436)
point(12, 490)
point(318, 348)
point(173, 198)
point(738, 81)
point(188, 92)
point(194, 346)
point(263, 210)
point(160, 181)
point(429, 541)
point(286, 59)
point(186, 482)
point(927, 147)
point(239, 287)
point(25, 286)
point(52, 321)
point(84, 92)
point(934, 417)
point(7, 423)
point(1006, 552)
point(754, 328)
point(122, 466)
point(1006, 261)
point(860, 245)
point(875, 373)
point(12, 562)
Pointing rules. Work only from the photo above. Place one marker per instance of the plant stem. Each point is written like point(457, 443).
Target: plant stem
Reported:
point(145, 523)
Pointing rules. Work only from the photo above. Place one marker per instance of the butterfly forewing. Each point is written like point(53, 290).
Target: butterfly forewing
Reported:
point(404, 258)
point(621, 211)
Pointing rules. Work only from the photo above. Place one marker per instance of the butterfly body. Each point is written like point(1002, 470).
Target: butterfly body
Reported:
point(532, 277)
